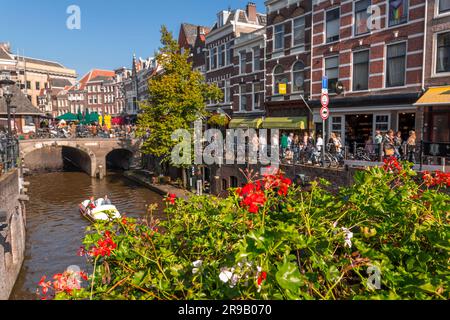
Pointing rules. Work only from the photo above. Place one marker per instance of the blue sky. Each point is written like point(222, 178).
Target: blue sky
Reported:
point(111, 30)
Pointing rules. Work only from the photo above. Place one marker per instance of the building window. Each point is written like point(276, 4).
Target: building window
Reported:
point(299, 32)
point(222, 56)
point(224, 185)
point(398, 12)
point(332, 72)
point(229, 53)
point(242, 61)
point(336, 125)
point(444, 6)
point(256, 59)
point(396, 64)
point(443, 53)
point(227, 96)
point(29, 85)
point(213, 58)
point(257, 89)
point(278, 77)
point(361, 70)
point(233, 182)
point(279, 37)
point(333, 24)
point(243, 98)
point(38, 86)
point(382, 123)
point(298, 76)
point(361, 17)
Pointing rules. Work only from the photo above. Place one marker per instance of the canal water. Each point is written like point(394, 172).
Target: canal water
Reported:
point(55, 228)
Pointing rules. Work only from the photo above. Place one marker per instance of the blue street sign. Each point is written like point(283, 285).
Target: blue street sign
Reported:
point(325, 82)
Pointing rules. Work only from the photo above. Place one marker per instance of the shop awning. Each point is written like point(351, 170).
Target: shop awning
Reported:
point(294, 123)
point(245, 123)
point(437, 96)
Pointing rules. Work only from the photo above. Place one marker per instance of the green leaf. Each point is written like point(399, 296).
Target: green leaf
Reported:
point(288, 276)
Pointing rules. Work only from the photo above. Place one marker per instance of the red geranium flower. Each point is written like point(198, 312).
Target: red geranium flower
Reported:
point(171, 198)
point(262, 277)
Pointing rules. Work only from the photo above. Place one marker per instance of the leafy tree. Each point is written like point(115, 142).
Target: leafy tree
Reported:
point(178, 97)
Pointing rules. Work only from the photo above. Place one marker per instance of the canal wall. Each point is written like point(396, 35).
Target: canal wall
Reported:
point(12, 230)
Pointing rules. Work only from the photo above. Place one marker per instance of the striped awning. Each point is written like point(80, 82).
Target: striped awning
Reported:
point(245, 123)
point(293, 123)
point(437, 96)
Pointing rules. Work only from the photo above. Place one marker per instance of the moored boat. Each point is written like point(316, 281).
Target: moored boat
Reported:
point(99, 213)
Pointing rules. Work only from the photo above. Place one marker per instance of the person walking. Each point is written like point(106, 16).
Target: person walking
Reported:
point(398, 142)
point(378, 141)
point(389, 144)
point(284, 145)
point(296, 149)
point(411, 147)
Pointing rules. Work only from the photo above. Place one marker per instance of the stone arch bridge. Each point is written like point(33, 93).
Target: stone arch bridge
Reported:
point(93, 156)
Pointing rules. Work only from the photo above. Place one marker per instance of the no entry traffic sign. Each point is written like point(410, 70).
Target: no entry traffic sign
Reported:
point(325, 100)
point(324, 113)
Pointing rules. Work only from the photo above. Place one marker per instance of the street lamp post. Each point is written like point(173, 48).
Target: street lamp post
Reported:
point(7, 94)
point(13, 111)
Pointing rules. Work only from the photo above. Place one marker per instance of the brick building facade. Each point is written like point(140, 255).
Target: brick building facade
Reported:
point(434, 104)
point(373, 62)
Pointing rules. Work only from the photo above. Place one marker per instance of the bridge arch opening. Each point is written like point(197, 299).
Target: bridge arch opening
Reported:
point(59, 158)
point(119, 159)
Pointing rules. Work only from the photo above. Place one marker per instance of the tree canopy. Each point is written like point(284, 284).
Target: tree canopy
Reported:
point(178, 97)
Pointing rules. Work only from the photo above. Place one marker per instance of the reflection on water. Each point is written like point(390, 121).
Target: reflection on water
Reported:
point(55, 228)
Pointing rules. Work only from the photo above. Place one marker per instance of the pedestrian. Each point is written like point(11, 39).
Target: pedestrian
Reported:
point(296, 149)
point(411, 146)
point(369, 146)
point(398, 141)
point(389, 144)
point(378, 141)
point(284, 144)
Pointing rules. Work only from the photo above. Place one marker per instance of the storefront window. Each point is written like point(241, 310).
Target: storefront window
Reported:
point(382, 123)
point(361, 16)
point(443, 52)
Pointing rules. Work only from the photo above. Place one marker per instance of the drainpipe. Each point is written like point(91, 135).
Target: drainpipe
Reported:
point(422, 111)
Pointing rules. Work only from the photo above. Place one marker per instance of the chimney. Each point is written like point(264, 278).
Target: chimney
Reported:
point(251, 12)
point(200, 31)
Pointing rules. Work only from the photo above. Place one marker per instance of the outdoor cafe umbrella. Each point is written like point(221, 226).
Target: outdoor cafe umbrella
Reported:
point(79, 115)
point(68, 117)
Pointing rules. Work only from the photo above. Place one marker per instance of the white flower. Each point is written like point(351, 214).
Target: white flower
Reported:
point(335, 224)
point(225, 275)
point(348, 237)
point(197, 265)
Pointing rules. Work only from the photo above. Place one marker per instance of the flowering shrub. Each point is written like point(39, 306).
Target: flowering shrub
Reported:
point(272, 240)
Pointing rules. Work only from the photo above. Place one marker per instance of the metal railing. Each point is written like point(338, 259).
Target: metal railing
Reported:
point(9, 153)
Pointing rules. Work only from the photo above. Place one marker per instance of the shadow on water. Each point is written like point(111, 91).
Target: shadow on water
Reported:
point(55, 228)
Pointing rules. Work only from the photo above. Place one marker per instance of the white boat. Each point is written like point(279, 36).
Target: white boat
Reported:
point(100, 212)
